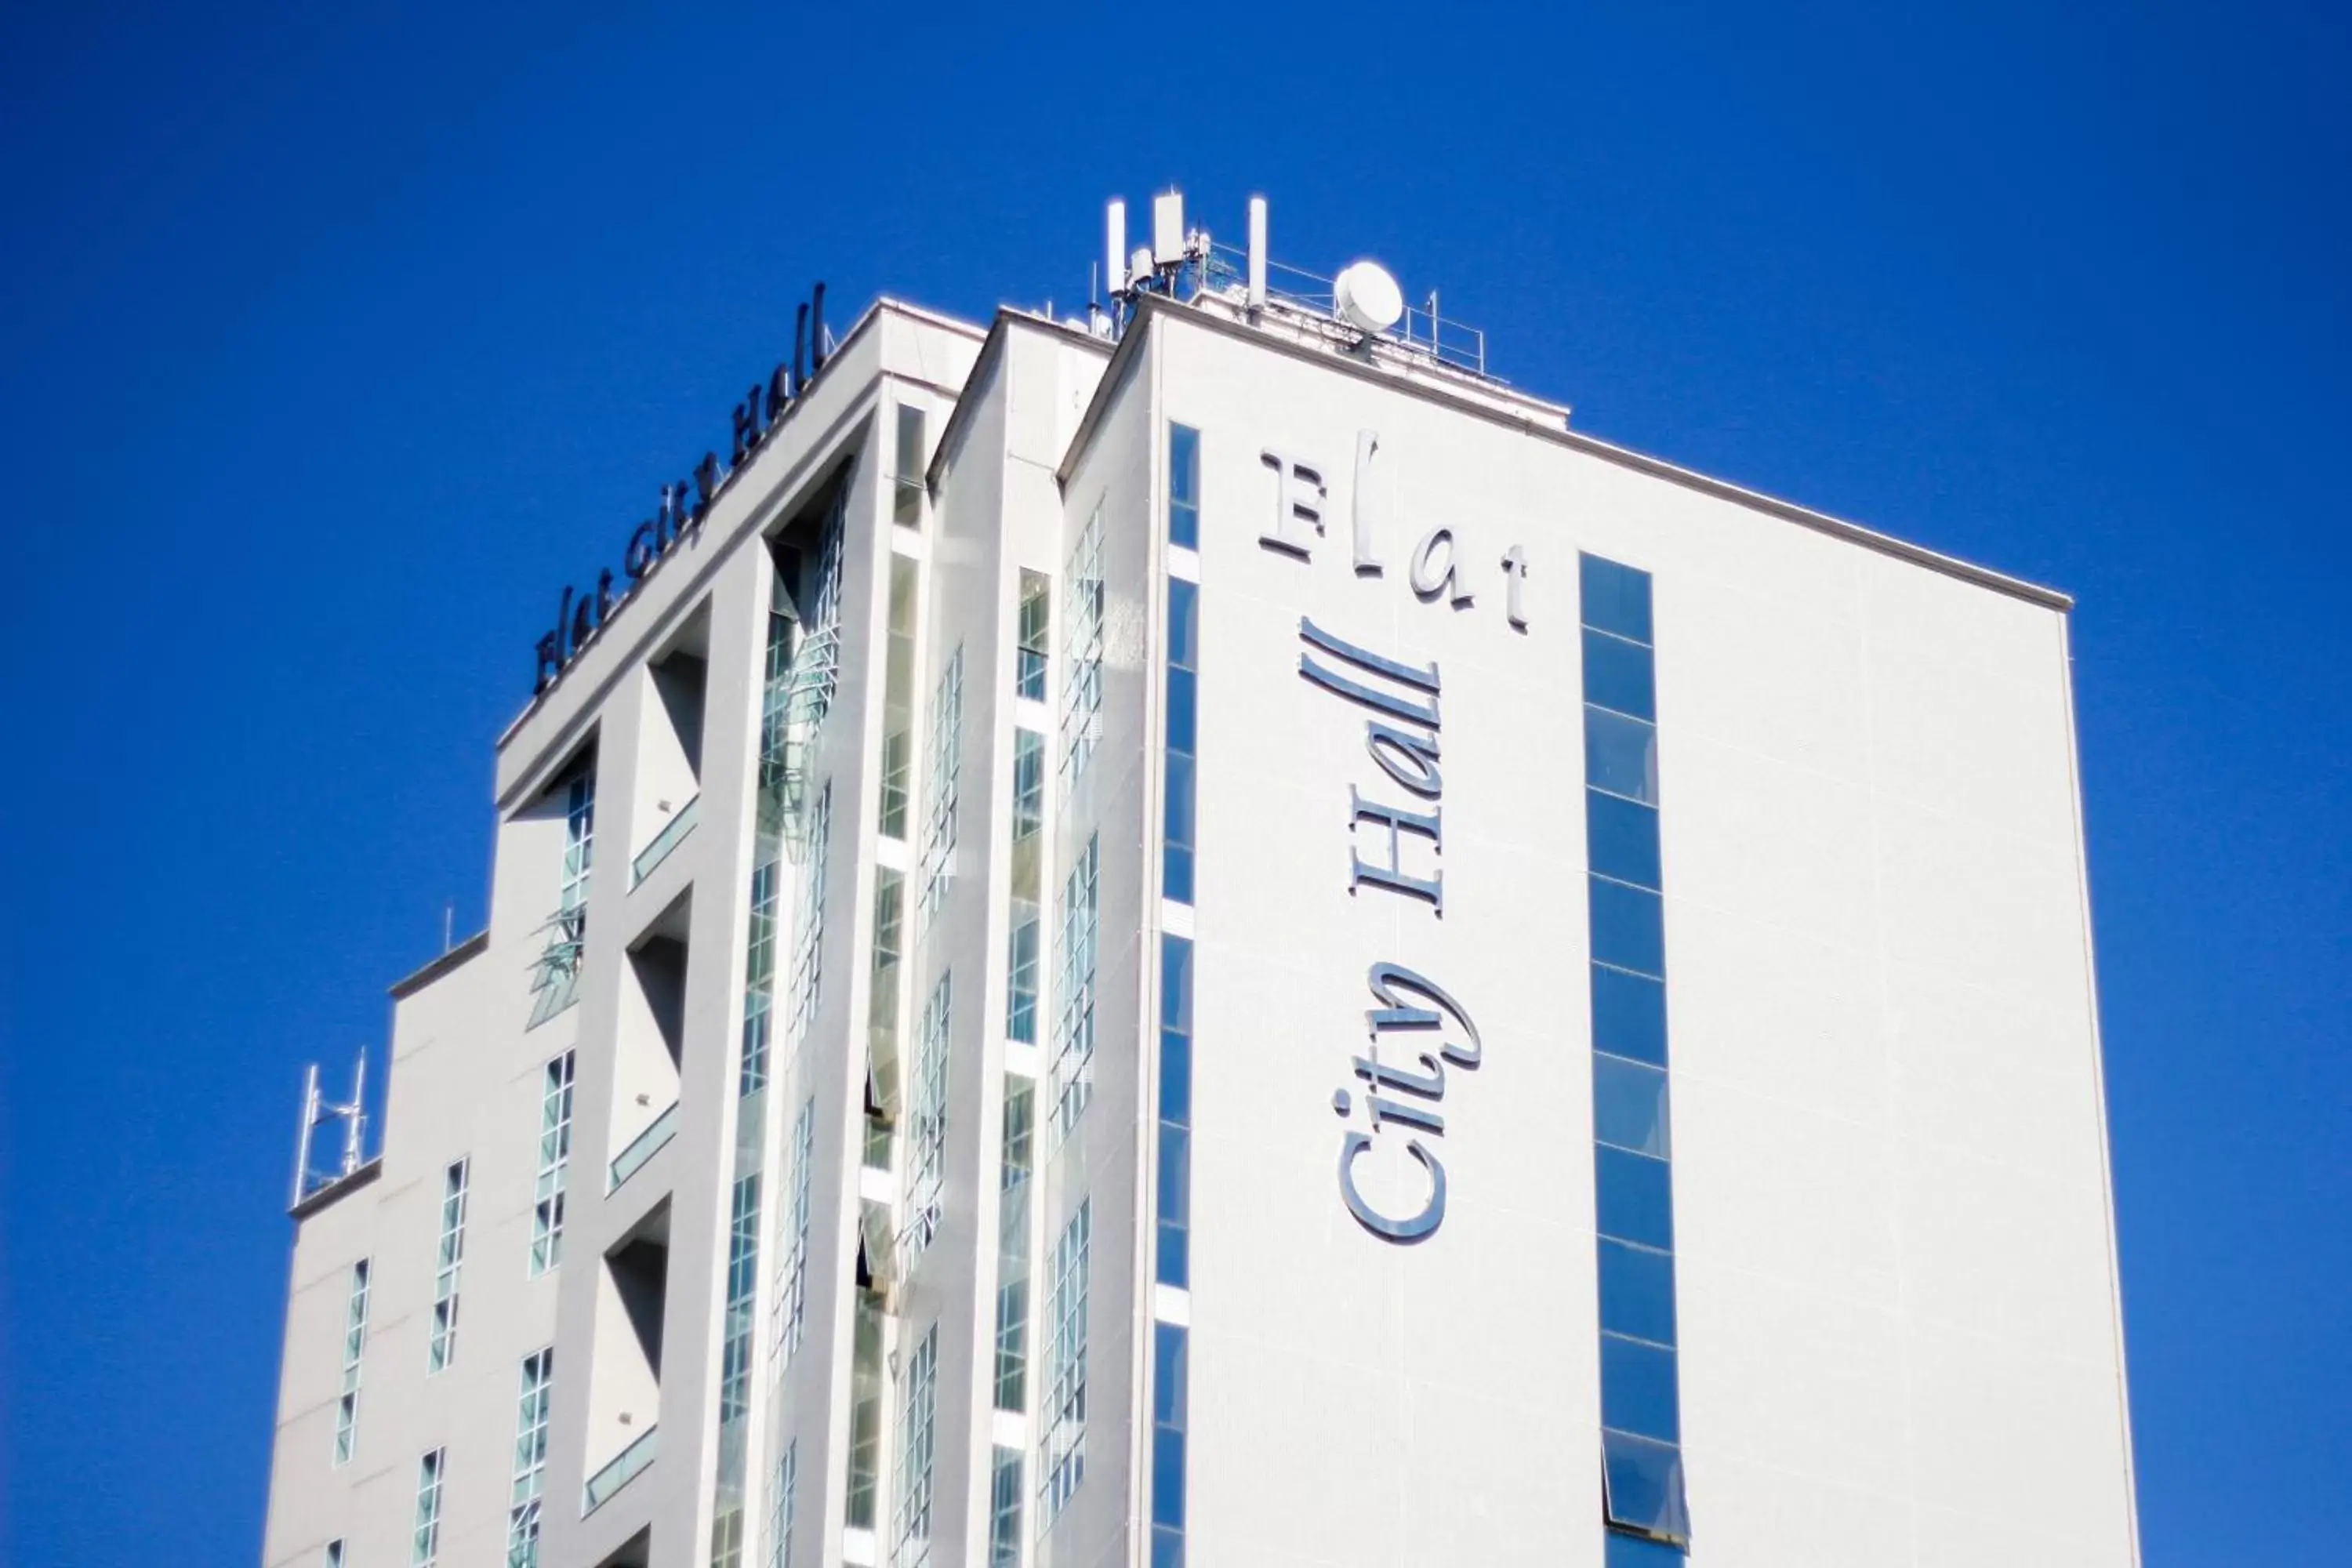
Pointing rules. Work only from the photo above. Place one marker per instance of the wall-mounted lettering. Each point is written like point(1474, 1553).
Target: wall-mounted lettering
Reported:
point(580, 615)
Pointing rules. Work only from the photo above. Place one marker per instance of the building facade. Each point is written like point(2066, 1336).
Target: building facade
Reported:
point(1202, 935)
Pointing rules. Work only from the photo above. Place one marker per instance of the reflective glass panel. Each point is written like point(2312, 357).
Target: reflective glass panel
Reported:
point(1618, 674)
point(1182, 721)
point(1644, 1485)
point(1621, 755)
point(1176, 873)
point(1633, 1197)
point(1175, 1167)
point(1168, 1476)
point(1637, 1293)
point(1176, 983)
point(1175, 1256)
point(1183, 622)
point(1175, 1077)
point(1629, 1106)
point(1184, 486)
point(1629, 1016)
point(1616, 598)
point(1639, 1552)
point(1621, 839)
point(1167, 1375)
point(1638, 1389)
point(1629, 927)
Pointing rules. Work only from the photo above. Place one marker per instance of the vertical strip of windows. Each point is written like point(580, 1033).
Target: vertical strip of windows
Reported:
point(1182, 739)
point(781, 1506)
point(530, 1460)
point(927, 1123)
point(579, 840)
point(425, 1539)
point(1183, 485)
point(791, 1286)
point(1082, 618)
point(1169, 1399)
point(451, 1253)
point(1063, 1450)
point(882, 1016)
point(865, 1412)
point(946, 770)
point(1022, 928)
point(1035, 629)
point(1004, 1508)
point(907, 471)
point(898, 700)
point(356, 1329)
point(742, 1273)
point(1074, 1033)
point(760, 966)
point(911, 1544)
point(808, 926)
point(1645, 1513)
point(1013, 1246)
point(554, 1165)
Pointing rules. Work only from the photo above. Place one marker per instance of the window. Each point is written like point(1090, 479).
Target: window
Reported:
point(1644, 1511)
point(759, 967)
point(1073, 1035)
point(333, 1557)
point(1185, 487)
point(882, 1013)
point(1064, 1451)
point(742, 1286)
point(443, 1347)
point(530, 1461)
point(906, 474)
point(1183, 739)
point(1035, 627)
point(913, 1545)
point(579, 840)
point(1082, 617)
point(898, 700)
point(1175, 1196)
point(791, 1294)
point(1020, 970)
point(946, 770)
point(425, 1547)
point(555, 1165)
point(865, 1414)
point(808, 927)
point(928, 1124)
point(1028, 785)
point(1005, 1508)
point(781, 1505)
point(1168, 1420)
point(356, 1328)
point(1013, 1247)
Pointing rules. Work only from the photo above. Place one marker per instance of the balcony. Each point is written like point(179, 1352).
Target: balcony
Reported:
point(620, 1471)
point(673, 833)
point(642, 1148)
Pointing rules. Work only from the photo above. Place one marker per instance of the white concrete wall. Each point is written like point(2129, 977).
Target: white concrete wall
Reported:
point(1898, 1314)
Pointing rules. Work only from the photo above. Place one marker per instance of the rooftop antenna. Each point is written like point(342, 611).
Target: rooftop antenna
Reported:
point(352, 1113)
point(1257, 253)
point(1115, 247)
point(448, 924)
point(816, 331)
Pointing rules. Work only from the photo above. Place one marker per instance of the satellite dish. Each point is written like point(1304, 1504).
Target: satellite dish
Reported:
point(1365, 296)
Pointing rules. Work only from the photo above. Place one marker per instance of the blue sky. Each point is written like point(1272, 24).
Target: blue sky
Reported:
point(337, 338)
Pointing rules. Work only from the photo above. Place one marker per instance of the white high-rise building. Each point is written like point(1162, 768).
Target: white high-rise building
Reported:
point(1202, 935)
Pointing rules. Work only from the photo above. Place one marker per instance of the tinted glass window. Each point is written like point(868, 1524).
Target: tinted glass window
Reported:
point(1617, 673)
point(1633, 1197)
point(1638, 1389)
point(1621, 755)
point(1629, 1106)
point(1616, 598)
point(1621, 839)
point(1637, 1293)
point(1629, 927)
point(1629, 1016)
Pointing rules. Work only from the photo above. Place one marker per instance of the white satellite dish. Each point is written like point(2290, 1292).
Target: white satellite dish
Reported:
point(1365, 296)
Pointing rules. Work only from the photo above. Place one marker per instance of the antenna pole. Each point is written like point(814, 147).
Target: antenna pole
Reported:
point(310, 1119)
point(355, 1116)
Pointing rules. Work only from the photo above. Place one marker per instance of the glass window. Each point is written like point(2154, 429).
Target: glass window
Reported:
point(1618, 674)
point(1629, 927)
point(1634, 1198)
point(792, 1295)
point(1035, 624)
point(1638, 1389)
point(1005, 1510)
point(1621, 755)
point(898, 700)
point(1183, 624)
point(1167, 1375)
point(1176, 1076)
point(907, 503)
point(1182, 717)
point(441, 1347)
point(1629, 1106)
point(1637, 1293)
point(1082, 634)
point(1629, 1016)
point(1065, 1414)
point(1615, 598)
point(1176, 983)
point(1021, 962)
point(1185, 487)
point(1643, 1486)
point(946, 773)
point(424, 1543)
point(1176, 871)
point(1621, 839)
point(355, 1330)
point(917, 1439)
point(1028, 783)
point(1175, 1168)
point(1168, 1476)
